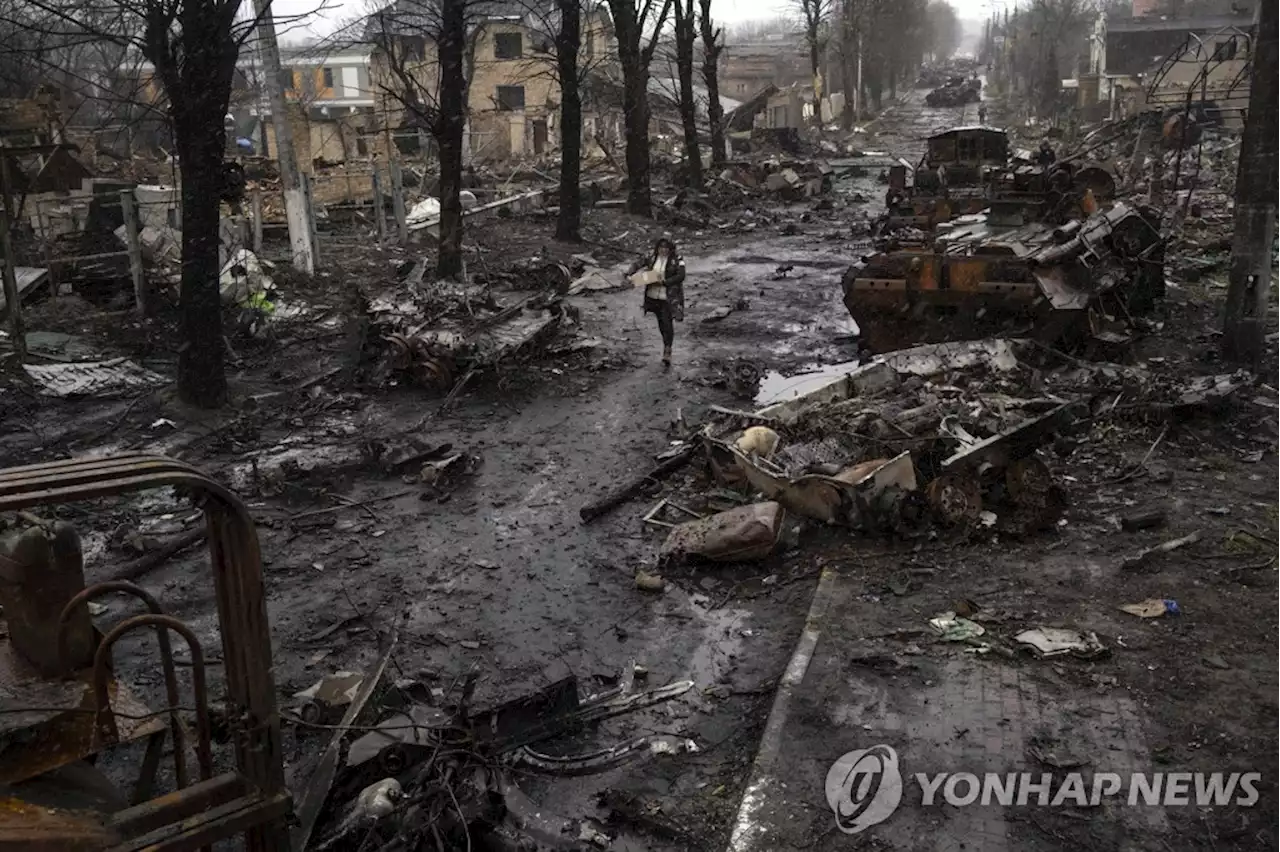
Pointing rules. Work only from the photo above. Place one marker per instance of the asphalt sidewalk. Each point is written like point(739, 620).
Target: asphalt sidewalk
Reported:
point(855, 683)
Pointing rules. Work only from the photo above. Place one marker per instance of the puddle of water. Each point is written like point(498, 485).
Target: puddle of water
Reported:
point(721, 640)
point(775, 387)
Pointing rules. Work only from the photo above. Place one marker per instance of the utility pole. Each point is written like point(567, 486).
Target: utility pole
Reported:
point(296, 210)
point(1255, 203)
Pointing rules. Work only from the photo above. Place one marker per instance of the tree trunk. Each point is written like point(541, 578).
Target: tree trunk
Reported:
point(814, 64)
point(1250, 275)
point(876, 91)
point(685, 34)
point(201, 380)
point(453, 87)
point(568, 40)
point(711, 77)
point(635, 105)
point(1052, 84)
point(848, 74)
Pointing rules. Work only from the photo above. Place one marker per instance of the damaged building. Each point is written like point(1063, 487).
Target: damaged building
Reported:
point(1151, 58)
point(513, 97)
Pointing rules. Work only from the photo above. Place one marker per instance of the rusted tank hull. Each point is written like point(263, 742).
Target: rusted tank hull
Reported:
point(1055, 285)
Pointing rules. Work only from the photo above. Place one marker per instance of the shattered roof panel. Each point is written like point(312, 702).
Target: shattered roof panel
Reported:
point(98, 378)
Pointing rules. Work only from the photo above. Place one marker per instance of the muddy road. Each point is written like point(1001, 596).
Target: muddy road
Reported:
point(496, 574)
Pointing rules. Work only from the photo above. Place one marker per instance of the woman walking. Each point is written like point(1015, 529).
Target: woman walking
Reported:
point(663, 281)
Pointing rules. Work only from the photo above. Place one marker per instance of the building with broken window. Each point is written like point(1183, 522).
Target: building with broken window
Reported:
point(513, 94)
point(330, 102)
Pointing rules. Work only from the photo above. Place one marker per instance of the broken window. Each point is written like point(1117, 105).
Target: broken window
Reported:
point(510, 97)
point(508, 46)
point(1225, 50)
point(327, 75)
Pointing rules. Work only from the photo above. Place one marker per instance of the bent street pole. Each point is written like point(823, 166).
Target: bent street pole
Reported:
point(295, 202)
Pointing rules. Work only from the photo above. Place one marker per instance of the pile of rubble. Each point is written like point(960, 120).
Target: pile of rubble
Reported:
point(436, 335)
point(944, 436)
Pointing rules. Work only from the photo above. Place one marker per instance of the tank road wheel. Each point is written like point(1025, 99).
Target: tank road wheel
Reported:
point(954, 499)
point(1038, 499)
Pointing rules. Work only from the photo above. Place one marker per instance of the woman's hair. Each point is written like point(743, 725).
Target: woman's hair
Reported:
point(663, 241)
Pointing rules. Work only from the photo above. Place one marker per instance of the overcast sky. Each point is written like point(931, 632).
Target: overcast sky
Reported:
point(338, 12)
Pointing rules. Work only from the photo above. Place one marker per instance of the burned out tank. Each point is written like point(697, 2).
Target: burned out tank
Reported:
point(1037, 280)
point(970, 169)
point(956, 92)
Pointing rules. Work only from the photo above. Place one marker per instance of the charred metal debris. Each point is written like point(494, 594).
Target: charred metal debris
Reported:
point(959, 439)
point(414, 766)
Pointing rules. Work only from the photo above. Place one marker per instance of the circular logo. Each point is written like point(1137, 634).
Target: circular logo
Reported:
point(864, 787)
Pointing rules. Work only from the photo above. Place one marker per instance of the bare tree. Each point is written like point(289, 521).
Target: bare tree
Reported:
point(1042, 42)
point(747, 31)
point(815, 17)
point(571, 29)
point(448, 130)
point(942, 30)
point(633, 20)
point(686, 33)
point(568, 41)
point(712, 44)
point(880, 42)
point(192, 45)
point(426, 49)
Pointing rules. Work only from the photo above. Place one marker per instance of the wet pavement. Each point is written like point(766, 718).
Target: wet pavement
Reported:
point(501, 577)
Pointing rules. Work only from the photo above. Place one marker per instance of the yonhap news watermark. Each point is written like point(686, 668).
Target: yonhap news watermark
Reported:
point(865, 786)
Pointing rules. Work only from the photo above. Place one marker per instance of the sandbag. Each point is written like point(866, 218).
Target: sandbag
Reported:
point(745, 534)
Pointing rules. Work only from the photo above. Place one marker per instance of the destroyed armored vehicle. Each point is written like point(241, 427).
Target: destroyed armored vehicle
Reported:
point(957, 92)
point(1057, 285)
point(966, 170)
point(950, 180)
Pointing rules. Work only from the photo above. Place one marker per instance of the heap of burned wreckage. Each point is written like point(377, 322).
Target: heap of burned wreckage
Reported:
point(961, 436)
point(960, 406)
point(433, 768)
point(978, 241)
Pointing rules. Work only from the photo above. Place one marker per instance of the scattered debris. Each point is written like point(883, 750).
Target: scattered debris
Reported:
point(328, 696)
point(1144, 556)
point(95, 378)
point(954, 628)
point(1055, 642)
point(624, 493)
point(1152, 608)
point(745, 534)
point(1143, 520)
point(647, 582)
point(758, 441)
